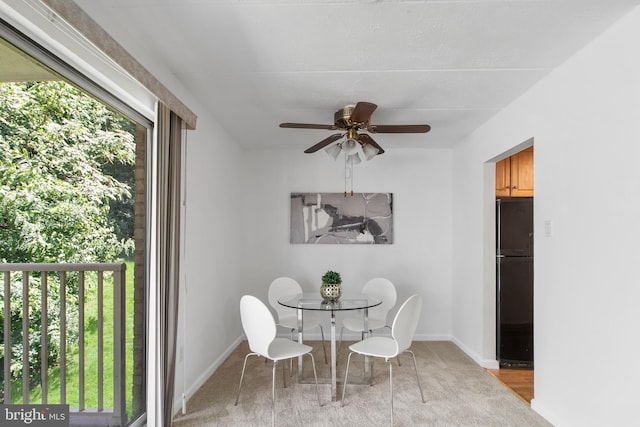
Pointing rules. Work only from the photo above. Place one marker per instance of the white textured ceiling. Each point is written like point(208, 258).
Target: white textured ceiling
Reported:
point(451, 64)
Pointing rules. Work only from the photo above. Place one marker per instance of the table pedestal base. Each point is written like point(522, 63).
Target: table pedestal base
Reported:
point(333, 380)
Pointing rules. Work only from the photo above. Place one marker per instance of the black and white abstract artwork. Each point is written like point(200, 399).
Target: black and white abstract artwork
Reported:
point(332, 218)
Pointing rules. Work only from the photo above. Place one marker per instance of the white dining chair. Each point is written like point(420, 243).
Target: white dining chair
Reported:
point(379, 288)
point(260, 328)
point(402, 331)
point(288, 317)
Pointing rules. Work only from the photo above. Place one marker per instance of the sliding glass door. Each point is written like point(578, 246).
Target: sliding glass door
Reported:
point(74, 192)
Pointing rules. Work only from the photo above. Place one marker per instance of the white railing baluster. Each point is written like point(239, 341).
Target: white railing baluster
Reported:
point(100, 341)
point(44, 329)
point(81, 341)
point(119, 340)
point(25, 337)
point(7, 337)
point(63, 337)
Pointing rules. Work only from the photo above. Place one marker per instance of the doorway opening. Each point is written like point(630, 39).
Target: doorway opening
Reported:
point(514, 272)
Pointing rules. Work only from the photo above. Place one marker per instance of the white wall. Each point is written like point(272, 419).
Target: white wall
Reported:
point(584, 120)
point(419, 260)
point(211, 264)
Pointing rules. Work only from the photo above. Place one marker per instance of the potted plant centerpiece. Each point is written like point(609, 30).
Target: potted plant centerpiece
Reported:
point(331, 288)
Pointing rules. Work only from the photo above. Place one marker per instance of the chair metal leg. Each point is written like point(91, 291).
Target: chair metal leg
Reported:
point(415, 365)
point(391, 387)
point(244, 365)
point(346, 375)
point(273, 394)
point(315, 375)
point(323, 349)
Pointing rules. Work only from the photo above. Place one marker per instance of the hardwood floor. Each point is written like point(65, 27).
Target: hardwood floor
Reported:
point(519, 381)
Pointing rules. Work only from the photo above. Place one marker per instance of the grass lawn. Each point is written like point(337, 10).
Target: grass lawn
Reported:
point(91, 353)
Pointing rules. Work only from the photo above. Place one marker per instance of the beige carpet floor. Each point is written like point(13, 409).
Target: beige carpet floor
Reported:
point(458, 392)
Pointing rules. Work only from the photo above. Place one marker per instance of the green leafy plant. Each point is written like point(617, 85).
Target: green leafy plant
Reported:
point(331, 278)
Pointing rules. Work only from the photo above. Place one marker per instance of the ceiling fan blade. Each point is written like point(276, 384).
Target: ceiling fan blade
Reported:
point(324, 143)
point(306, 126)
point(398, 128)
point(362, 112)
point(366, 139)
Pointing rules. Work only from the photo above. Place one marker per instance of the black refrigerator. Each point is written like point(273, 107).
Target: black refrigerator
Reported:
point(514, 281)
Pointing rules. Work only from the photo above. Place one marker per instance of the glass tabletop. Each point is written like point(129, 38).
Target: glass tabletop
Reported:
point(312, 301)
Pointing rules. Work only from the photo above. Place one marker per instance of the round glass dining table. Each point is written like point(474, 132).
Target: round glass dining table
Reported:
point(314, 302)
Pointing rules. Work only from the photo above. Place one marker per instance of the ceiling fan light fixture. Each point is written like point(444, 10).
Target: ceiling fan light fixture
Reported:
point(369, 151)
point(350, 146)
point(334, 150)
point(349, 121)
point(354, 159)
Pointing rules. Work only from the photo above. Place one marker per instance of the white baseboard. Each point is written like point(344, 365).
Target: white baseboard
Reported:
point(546, 414)
point(427, 337)
point(485, 363)
point(199, 382)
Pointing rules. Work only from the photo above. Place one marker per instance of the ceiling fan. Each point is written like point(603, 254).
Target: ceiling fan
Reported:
point(353, 119)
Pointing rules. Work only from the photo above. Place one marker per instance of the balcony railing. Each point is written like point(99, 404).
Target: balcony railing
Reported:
point(56, 283)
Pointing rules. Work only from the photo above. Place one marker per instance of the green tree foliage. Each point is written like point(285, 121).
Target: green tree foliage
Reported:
point(62, 153)
point(54, 200)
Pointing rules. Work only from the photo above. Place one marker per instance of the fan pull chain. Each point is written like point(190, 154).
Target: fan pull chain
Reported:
point(351, 174)
point(345, 175)
point(348, 174)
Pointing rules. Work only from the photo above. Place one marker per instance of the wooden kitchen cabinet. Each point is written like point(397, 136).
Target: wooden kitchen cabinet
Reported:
point(514, 175)
point(503, 178)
